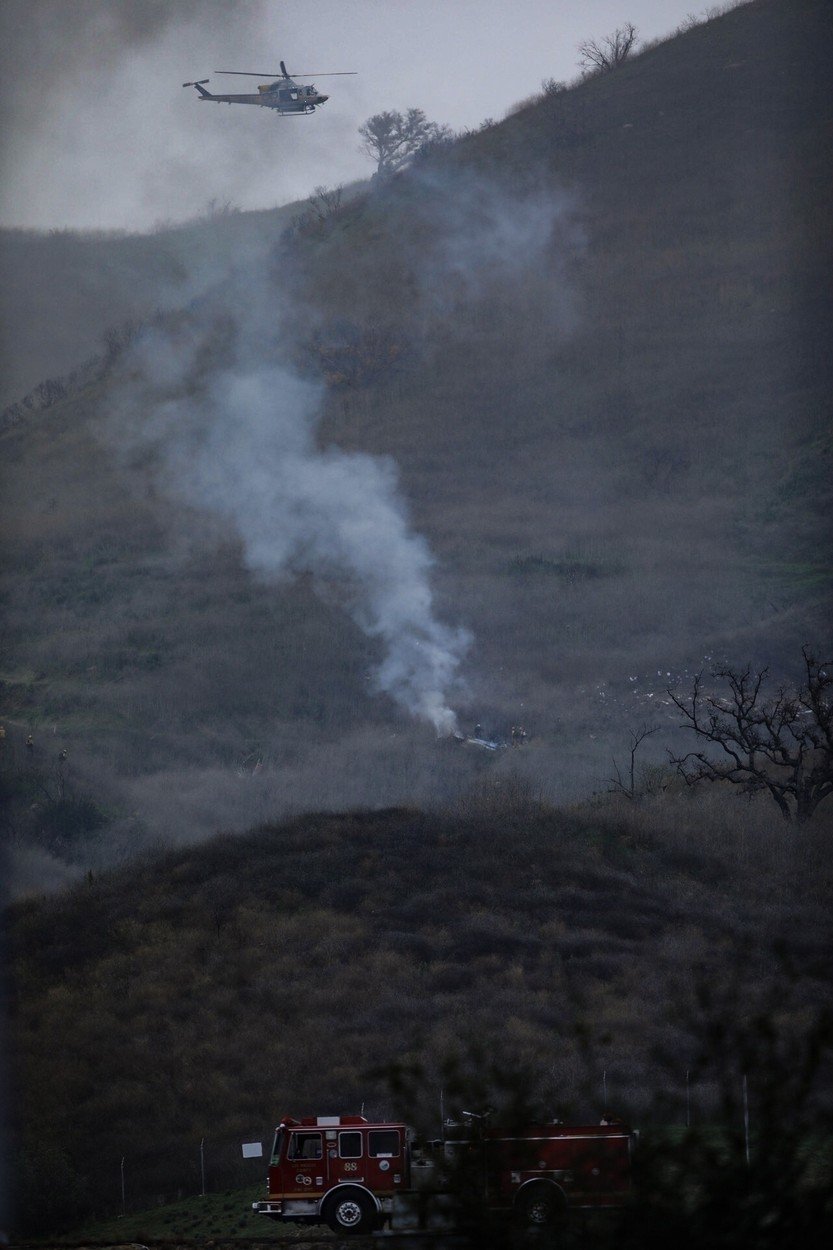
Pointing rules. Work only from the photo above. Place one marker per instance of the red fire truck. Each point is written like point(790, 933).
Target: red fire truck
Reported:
point(356, 1176)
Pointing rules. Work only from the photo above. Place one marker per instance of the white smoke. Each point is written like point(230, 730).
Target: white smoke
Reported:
point(240, 443)
point(235, 428)
point(488, 239)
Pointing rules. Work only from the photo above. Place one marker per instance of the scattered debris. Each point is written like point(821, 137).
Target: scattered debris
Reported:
point(486, 744)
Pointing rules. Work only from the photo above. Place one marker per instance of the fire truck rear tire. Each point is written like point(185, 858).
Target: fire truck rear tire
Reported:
point(350, 1211)
point(540, 1205)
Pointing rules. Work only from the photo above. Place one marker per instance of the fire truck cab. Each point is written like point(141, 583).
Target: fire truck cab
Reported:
point(354, 1176)
point(336, 1170)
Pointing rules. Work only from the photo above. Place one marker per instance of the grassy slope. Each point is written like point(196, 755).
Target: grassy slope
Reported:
point(624, 497)
point(703, 294)
point(226, 1215)
point(64, 290)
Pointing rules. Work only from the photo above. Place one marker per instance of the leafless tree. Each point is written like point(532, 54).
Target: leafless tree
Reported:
point(782, 744)
point(618, 785)
point(220, 208)
point(325, 202)
point(392, 139)
point(551, 86)
point(603, 55)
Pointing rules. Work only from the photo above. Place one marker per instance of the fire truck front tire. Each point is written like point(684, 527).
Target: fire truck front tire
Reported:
point(539, 1205)
point(350, 1211)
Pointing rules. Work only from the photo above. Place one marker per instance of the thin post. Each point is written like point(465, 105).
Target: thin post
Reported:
point(442, 1116)
point(202, 1165)
point(746, 1117)
point(123, 1203)
point(687, 1098)
point(604, 1086)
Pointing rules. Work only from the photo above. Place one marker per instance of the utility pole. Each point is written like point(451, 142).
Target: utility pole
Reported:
point(746, 1118)
point(202, 1165)
point(123, 1204)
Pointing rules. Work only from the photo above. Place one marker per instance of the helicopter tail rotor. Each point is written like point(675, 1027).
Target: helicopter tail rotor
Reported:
point(198, 83)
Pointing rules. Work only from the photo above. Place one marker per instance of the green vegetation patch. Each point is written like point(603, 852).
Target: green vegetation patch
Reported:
point(571, 567)
point(804, 575)
point(228, 1215)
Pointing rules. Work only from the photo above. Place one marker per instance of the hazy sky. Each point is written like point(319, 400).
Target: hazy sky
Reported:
point(98, 131)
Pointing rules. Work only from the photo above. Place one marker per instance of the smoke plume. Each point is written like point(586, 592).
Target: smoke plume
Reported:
point(234, 428)
point(485, 238)
point(238, 442)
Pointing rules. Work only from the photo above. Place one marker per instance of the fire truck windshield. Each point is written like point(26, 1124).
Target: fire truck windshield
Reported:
point(276, 1148)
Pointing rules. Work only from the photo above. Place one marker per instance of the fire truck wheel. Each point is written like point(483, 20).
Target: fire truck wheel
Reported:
point(350, 1211)
point(539, 1205)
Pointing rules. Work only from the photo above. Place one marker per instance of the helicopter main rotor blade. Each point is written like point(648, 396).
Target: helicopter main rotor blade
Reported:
point(248, 73)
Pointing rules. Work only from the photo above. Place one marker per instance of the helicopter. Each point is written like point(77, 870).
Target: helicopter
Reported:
point(284, 94)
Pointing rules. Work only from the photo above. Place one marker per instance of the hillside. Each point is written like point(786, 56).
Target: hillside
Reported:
point(592, 339)
point(65, 291)
point(505, 948)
